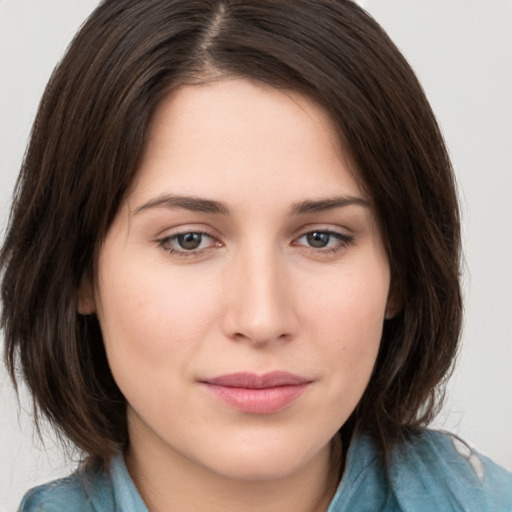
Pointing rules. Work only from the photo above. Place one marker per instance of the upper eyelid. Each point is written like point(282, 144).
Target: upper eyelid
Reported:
point(341, 237)
point(328, 231)
point(335, 230)
point(170, 232)
point(176, 235)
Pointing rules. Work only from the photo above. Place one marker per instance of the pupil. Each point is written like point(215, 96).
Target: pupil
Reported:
point(318, 239)
point(190, 241)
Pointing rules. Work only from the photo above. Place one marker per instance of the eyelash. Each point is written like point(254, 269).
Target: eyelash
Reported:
point(343, 241)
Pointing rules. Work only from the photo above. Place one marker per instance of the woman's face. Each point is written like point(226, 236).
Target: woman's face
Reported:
point(243, 284)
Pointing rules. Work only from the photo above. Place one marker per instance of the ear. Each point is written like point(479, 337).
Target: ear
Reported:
point(394, 303)
point(85, 295)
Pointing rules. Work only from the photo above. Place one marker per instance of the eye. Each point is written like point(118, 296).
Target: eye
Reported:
point(318, 239)
point(324, 239)
point(188, 243)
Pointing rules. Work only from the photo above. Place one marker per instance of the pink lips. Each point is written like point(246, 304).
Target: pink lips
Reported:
point(258, 394)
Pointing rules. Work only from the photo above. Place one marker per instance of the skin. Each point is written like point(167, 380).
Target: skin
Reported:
point(254, 296)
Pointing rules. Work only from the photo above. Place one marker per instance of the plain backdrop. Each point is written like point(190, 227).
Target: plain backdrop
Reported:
point(462, 52)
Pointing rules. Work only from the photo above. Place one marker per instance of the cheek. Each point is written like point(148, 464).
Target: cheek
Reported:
point(152, 318)
point(353, 304)
point(346, 319)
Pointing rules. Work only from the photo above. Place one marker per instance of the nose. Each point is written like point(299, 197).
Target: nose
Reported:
point(260, 308)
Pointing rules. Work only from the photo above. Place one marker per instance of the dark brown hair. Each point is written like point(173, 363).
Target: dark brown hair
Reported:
point(83, 155)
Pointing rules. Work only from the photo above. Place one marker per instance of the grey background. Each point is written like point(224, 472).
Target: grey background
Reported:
point(462, 52)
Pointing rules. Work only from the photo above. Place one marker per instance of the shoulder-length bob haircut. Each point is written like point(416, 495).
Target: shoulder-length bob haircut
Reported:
point(83, 155)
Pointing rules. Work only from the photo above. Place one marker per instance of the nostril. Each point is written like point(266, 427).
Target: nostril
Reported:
point(260, 338)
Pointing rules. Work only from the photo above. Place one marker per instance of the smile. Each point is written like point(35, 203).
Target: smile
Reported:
point(257, 394)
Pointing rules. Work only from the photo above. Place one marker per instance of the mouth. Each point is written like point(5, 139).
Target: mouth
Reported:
point(257, 394)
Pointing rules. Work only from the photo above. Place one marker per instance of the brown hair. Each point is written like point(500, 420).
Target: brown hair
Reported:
point(83, 155)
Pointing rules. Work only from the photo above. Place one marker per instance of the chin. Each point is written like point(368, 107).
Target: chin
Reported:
point(262, 469)
point(265, 461)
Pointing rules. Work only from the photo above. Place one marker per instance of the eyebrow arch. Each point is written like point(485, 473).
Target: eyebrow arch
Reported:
point(195, 204)
point(321, 205)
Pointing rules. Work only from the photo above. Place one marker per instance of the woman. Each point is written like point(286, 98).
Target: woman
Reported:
point(233, 264)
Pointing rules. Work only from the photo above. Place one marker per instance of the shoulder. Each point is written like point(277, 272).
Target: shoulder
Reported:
point(445, 471)
point(80, 492)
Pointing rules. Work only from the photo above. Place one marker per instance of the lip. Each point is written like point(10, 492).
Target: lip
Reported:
point(268, 393)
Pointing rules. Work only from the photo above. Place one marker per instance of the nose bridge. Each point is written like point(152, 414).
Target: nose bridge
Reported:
point(260, 308)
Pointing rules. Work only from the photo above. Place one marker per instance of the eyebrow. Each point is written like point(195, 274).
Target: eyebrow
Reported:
point(195, 204)
point(321, 205)
point(198, 204)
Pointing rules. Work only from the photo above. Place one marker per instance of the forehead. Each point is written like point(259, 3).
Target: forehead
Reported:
point(242, 134)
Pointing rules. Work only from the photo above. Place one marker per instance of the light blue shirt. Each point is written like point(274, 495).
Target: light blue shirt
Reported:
point(428, 472)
